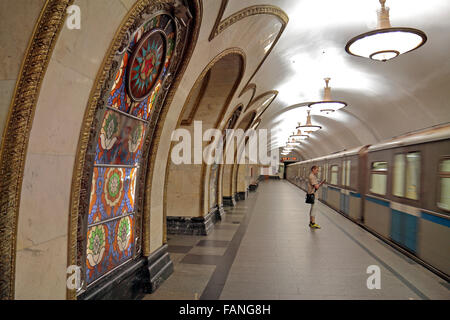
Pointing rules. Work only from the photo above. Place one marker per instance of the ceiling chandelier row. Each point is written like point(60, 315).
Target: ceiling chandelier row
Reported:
point(382, 44)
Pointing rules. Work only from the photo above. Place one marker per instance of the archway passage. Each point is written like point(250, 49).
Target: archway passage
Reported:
point(237, 145)
point(191, 188)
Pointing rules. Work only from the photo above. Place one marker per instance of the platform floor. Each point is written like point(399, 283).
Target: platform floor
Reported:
point(264, 250)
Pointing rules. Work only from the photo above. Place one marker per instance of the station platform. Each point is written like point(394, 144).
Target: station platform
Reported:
point(264, 250)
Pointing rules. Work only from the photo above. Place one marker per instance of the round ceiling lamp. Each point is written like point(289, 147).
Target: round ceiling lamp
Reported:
point(308, 127)
point(299, 135)
point(327, 105)
point(385, 42)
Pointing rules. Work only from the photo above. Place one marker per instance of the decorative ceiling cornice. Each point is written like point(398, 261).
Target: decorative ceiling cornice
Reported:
point(220, 25)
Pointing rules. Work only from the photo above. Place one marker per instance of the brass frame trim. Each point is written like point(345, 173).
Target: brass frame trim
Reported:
point(220, 25)
point(252, 87)
point(262, 95)
point(17, 130)
point(198, 99)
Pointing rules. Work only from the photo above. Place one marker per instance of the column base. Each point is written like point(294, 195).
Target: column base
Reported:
point(134, 279)
point(200, 226)
point(229, 201)
point(242, 195)
point(160, 267)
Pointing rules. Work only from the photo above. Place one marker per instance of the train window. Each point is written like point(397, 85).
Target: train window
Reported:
point(378, 177)
point(346, 173)
point(444, 177)
point(319, 174)
point(412, 175)
point(399, 176)
point(334, 174)
point(406, 177)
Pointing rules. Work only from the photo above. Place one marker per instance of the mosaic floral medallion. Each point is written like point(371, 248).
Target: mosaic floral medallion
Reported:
point(110, 130)
point(143, 64)
point(113, 186)
point(96, 241)
point(123, 233)
point(136, 136)
point(146, 64)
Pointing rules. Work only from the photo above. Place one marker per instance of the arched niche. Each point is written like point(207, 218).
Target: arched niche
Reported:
point(229, 187)
point(191, 203)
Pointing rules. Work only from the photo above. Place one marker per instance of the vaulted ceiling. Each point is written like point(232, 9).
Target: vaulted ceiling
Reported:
point(385, 99)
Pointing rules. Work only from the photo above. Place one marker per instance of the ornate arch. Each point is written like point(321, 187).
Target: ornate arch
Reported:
point(204, 172)
point(252, 102)
point(220, 25)
point(136, 81)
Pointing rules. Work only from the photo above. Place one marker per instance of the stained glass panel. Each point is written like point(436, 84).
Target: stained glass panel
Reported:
point(112, 211)
point(120, 140)
point(112, 193)
point(108, 245)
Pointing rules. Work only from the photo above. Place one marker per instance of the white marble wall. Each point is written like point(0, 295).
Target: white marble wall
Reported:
point(45, 199)
point(44, 206)
point(17, 20)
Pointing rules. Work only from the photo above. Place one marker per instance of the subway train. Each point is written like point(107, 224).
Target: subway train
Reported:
point(399, 190)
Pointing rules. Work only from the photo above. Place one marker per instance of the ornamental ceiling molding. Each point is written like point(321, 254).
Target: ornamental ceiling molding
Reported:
point(220, 25)
point(142, 11)
point(251, 107)
point(17, 132)
point(204, 84)
point(249, 87)
point(259, 97)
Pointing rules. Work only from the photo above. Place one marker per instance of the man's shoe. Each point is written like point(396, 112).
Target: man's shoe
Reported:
point(314, 225)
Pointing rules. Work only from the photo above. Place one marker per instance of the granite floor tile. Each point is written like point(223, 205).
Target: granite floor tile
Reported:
point(215, 251)
point(213, 243)
point(277, 256)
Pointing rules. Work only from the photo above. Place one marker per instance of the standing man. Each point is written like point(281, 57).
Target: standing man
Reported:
point(313, 186)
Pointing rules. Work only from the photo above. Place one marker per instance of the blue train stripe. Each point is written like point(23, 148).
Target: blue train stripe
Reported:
point(404, 229)
point(378, 201)
point(354, 194)
point(435, 219)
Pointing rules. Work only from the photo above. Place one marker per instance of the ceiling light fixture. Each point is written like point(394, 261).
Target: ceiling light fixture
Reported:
point(327, 105)
point(292, 144)
point(308, 127)
point(385, 42)
point(299, 135)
